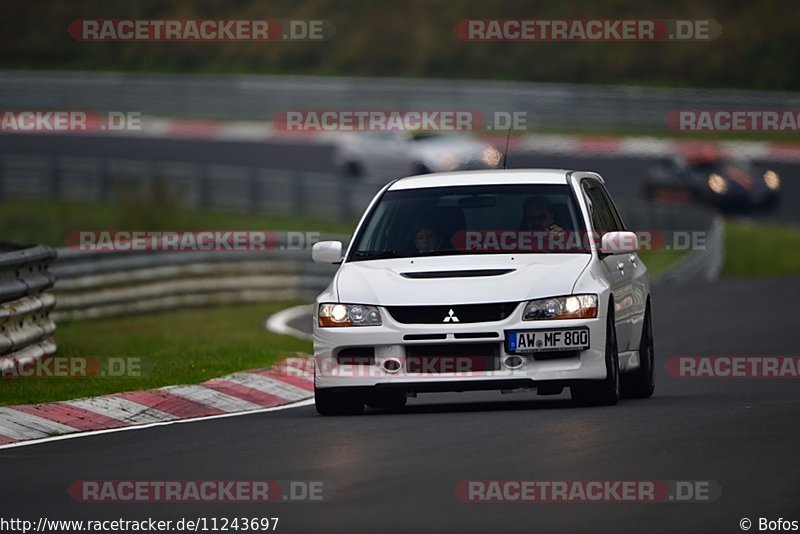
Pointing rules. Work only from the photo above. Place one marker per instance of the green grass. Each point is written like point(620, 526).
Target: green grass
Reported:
point(48, 222)
point(752, 249)
point(658, 261)
point(180, 347)
point(759, 249)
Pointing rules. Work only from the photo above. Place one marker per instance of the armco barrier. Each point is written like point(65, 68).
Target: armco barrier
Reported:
point(105, 284)
point(703, 264)
point(251, 97)
point(26, 327)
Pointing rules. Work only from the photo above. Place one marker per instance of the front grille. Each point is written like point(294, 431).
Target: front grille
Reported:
point(423, 337)
point(474, 335)
point(554, 355)
point(453, 357)
point(461, 313)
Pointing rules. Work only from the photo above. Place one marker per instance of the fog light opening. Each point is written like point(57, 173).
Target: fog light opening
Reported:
point(392, 365)
point(513, 362)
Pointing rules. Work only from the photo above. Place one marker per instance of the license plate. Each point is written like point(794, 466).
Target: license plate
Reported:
point(547, 340)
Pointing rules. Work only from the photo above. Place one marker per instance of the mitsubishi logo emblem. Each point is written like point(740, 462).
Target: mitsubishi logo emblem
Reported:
point(450, 317)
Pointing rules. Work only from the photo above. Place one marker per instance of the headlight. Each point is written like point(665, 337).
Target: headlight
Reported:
point(348, 315)
point(772, 180)
point(571, 307)
point(717, 184)
point(491, 156)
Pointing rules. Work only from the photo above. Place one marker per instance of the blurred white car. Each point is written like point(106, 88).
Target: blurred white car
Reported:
point(380, 157)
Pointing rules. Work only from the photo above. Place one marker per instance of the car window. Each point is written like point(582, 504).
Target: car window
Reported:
point(602, 220)
point(470, 219)
point(611, 207)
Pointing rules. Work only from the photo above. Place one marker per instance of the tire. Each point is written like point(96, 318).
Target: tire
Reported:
point(339, 403)
point(604, 392)
point(640, 383)
point(386, 399)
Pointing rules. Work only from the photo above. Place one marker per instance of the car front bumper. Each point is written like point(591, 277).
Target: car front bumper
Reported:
point(389, 344)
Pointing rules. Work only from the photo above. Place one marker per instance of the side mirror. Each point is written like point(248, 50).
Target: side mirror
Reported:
point(327, 252)
point(619, 243)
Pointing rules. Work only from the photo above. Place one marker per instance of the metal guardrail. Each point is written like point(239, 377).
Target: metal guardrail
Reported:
point(703, 264)
point(251, 97)
point(106, 284)
point(85, 173)
point(26, 327)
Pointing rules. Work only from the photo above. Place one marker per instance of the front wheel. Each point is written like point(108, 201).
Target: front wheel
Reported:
point(604, 392)
point(337, 403)
point(641, 383)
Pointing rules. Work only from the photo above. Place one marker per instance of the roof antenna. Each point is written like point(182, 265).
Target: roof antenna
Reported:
point(505, 152)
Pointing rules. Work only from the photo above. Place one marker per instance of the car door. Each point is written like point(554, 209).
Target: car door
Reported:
point(617, 269)
point(639, 287)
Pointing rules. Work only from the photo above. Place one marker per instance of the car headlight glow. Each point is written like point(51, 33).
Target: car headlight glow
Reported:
point(772, 180)
point(348, 315)
point(717, 184)
point(569, 307)
point(491, 156)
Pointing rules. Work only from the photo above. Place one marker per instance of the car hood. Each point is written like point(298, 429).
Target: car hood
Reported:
point(440, 280)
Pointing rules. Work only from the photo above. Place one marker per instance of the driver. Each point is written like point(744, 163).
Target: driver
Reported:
point(537, 216)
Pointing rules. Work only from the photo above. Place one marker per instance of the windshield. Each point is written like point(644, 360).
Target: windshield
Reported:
point(472, 219)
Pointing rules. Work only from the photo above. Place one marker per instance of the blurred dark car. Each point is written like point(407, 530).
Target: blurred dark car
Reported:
point(713, 178)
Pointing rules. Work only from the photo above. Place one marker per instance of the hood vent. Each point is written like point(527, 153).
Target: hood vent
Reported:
point(457, 274)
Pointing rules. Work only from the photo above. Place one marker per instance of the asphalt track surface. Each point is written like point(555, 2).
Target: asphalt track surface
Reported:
point(396, 472)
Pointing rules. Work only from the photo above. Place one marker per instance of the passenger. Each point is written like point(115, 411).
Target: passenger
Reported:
point(427, 239)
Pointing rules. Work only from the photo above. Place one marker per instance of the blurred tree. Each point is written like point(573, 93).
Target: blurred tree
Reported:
point(759, 47)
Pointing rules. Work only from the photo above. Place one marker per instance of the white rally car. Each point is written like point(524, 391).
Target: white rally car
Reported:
point(484, 280)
